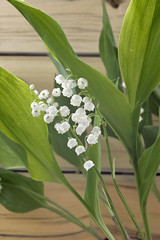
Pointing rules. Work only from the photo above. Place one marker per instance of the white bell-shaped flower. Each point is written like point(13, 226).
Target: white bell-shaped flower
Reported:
point(59, 79)
point(48, 118)
point(76, 100)
point(56, 92)
point(64, 111)
point(35, 105)
point(72, 142)
point(96, 131)
point(32, 87)
point(92, 139)
point(52, 110)
point(67, 92)
point(89, 106)
point(88, 165)
point(82, 83)
point(44, 94)
point(36, 112)
point(79, 150)
point(80, 129)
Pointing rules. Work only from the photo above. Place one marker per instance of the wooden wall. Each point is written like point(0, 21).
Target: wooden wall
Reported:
point(23, 53)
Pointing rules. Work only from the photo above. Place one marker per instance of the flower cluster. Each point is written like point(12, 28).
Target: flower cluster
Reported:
point(80, 119)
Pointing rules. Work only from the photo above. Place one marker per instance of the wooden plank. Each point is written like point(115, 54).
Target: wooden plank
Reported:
point(42, 224)
point(40, 70)
point(80, 19)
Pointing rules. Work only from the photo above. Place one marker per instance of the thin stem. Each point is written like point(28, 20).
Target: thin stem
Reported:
point(111, 204)
point(116, 186)
point(145, 222)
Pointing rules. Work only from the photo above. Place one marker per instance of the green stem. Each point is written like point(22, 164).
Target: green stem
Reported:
point(145, 222)
point(116, 186)
point(111, 204)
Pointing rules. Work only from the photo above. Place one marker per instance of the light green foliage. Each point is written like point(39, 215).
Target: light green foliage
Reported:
point(18, 124)
point(139, 49)
point(148, 166)
point(11, 153)
point(19, 193)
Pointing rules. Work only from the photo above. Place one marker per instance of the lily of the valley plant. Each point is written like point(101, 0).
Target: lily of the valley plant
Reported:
point(84, 105)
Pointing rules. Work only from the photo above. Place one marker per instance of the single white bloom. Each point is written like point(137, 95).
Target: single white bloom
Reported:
point(52, 110)
point(36, 113)
point(64, 111)
point(80, 129)
point(44, 94)
point(88, 165)
point(89, 106)
point(82, 83)
point(79, 150)
point(67, 92)
point(72, 142)
point(123, 85)
point(35, 105)
point(92, 139)
point(59, 79)
point(86, 99)
point(43, 106)
point(36, 92)
point(76, 100)
point(48, 118)
point(71, 83)
point(56, 92)
point(64, 84)
point(142, 110)
point(32, 87)
point(140, 119)
point(49, 100)
point(96, 131)
point(64, 127)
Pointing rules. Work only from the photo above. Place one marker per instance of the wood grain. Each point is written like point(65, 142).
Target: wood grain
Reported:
point(42, 224)
point(81, 20)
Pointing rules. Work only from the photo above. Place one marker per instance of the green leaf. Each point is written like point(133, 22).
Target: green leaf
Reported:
point(19, 193)
point(112, 103)
point(108, 49)
point(18, 124)
point(139, 49)
point(11, 153)
point(148, 166)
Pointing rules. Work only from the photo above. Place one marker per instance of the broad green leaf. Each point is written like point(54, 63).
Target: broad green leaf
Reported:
point(108, 50)
point(19, 193)
point(18, 124)
point(148, 166)
point(112, 103)
point(139, 49)
point(11, 153)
